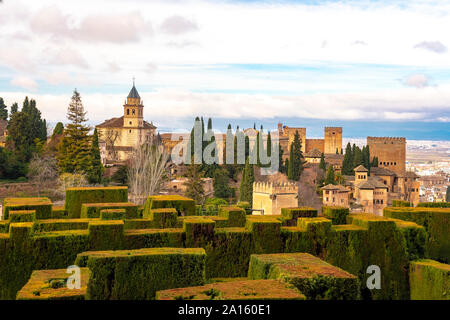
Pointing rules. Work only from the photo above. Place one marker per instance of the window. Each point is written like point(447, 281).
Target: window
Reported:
point(381, 201)
point(326, 199)
point(132, 111)
point(131, 122)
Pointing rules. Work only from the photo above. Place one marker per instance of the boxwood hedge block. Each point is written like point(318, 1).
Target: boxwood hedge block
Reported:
point(75, 197)
point(184, 206)
point(164, 217)
point(20, 231)
point(434, 204)
point(58, 212)
point(199, 231)
point(290, 215)
point(401, 203)
point(92, 210)
point(415, 237)
point(42, 206)
point(315, 278)
point(235, 216)
point(4, 226)
point(153, 238)
point(437, 225)
point(22, 216)
point(138, 274)
point(265, 234)
point(317, 231)
point(52, 285)
point(138, 224)
point(235, 290)
point(60, 225)
point(429, 280)
point(106, 235)
point(337, 215)
point(112, 214)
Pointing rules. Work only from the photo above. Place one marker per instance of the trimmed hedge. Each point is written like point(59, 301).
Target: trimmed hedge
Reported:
point(317, 230)
point(52, 285)
point(401, 203)
point(437, 224)
point(106, 235)
point(164, 217)
point(434, 204)
point(75, 197)
point(265, 234)
point(315, 278)
point(22, 216)
point(184, 206)
point(234, 215)
point(337, 215)
point(60, 225)
point(199, 231)
point(235, 290)
point(138, 274)
point(42, 206)
point(112, 214)
point(429, 280)
point(290, 215)
point(58, 212)
point(92, 210)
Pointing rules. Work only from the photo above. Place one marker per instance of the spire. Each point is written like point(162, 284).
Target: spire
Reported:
point(133, 93)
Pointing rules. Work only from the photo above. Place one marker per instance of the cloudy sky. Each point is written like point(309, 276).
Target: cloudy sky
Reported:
point(375, 67)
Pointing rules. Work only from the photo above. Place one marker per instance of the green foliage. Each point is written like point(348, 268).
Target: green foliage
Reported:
point(42, 206)
point(221, 185)
point(75, 197)
point(429, 280)
point(347, 164)
point(401, 203)
point(121, 175)
point(22, 216)
point(106, 234)
point(138, 274)
point(92, 210)
point(112, 214)
point(194, 184)
point(265, 235)
point(184, 206)
point(95, 174)
point(337, 215)
point(234, 215)
point(290, 215)
point(246, 187)
point(330, 178)
point(433, 205)
point(3, 110)
point(164, 217)
point(58, 130)
point(296, 159)
point(322, 164)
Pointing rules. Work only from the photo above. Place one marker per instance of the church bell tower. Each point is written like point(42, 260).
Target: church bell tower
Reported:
point(133, 110)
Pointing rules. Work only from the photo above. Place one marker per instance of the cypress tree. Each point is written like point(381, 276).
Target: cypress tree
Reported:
point(330, 178)
point(246, 187)
point(95, 174)
point(3, 110)
point(447, 194)
point(347, 163)
point(14, 109)
point(357, 157)
point(295, 167)
point(322, 164)
point(59, 129)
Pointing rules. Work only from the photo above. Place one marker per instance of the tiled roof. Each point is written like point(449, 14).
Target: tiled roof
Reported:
point(372, 183)
point(335, 187)
point(118, 123)
point(360, 168)
point(314, 153)
point(133, 93)
point(379, 171)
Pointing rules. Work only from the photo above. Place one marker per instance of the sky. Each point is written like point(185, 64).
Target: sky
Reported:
point(379, 68)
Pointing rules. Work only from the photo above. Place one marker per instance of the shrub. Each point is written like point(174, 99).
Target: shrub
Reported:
point(338, 215)
point(42, 206)
point(22, 216)
point(401, 203)
point(112, 214)
point(106, 235)
point(92, 210)
point(434, 204)
point(234, 215)
point(265, 235)
point(184, 206)
point(290, 215)
point(164, 217)
point(429, 280)
point(75, 197)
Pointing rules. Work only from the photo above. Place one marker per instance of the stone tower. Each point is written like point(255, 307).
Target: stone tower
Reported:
point(391, 153)
point(333, 140)
point(133, 110)
point(269, 197)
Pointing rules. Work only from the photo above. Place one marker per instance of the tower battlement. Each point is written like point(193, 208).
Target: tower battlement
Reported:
point(386, 139)
point(275, 188)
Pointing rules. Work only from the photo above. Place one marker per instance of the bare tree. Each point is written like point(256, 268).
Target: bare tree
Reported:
point(307, 187)
point(147, 171)
point(111, 137)
point(71, 180)
point(42, 171)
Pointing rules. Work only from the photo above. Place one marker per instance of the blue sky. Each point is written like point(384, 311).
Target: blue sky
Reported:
point(374, 67)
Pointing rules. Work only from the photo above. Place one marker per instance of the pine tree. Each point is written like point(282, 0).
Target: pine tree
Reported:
point(95, 174)
point(59, 129)
point(14, 109)
point(194, 184)
point(330, 177)
point(74, 150)
point(246, 187)
point(296, 159)
point(347, 163)
point(322, 164)
point(221, 185)
point(3, 110)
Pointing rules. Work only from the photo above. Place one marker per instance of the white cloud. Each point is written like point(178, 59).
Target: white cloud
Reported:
point(24, 82)
point(417, 81)
point(67, 56)
point(434, 46)
point(176, 25)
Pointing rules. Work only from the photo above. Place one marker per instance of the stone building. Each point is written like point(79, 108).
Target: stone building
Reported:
point(391, 152)
point(118, 136)
point(3, 132)
point(269, 198)
point(335, 195)
point(331, 142)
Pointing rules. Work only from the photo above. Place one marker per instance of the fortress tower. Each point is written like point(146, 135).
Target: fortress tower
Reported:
point(391, 152)
point(333, 140)
point(271, 197)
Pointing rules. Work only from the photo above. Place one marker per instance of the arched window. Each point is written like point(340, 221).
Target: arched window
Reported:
point(128, 112)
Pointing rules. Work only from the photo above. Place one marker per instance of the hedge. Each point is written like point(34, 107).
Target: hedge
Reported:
point(235, 290)
point(184, 206)
point(437, 224)
point(153, 238)
point(434, 204)
point(312, 276)
point(429, 280)
point(75, 197)
point(92, 210)
point(60, 225)
point(337, 215)
point(317, 230)
point(42, 206)
point(265, 235)
point(164, 217)
point(112, 214)
point(199, 231)
point(106, 235)
point(401, 203)
point(138, 274)
point(22, 216)
point(59, 212)
point(290, 215)
point(234, 215)
point(52, 285)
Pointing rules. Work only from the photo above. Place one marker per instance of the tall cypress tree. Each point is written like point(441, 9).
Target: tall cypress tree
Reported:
point(296, 159)
point(322, 164)
point(74, 150)
point(3, 110)
point(95, 174)
point(246, 187)
point(357, 157)
point(330, 177)
point(347, 163)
